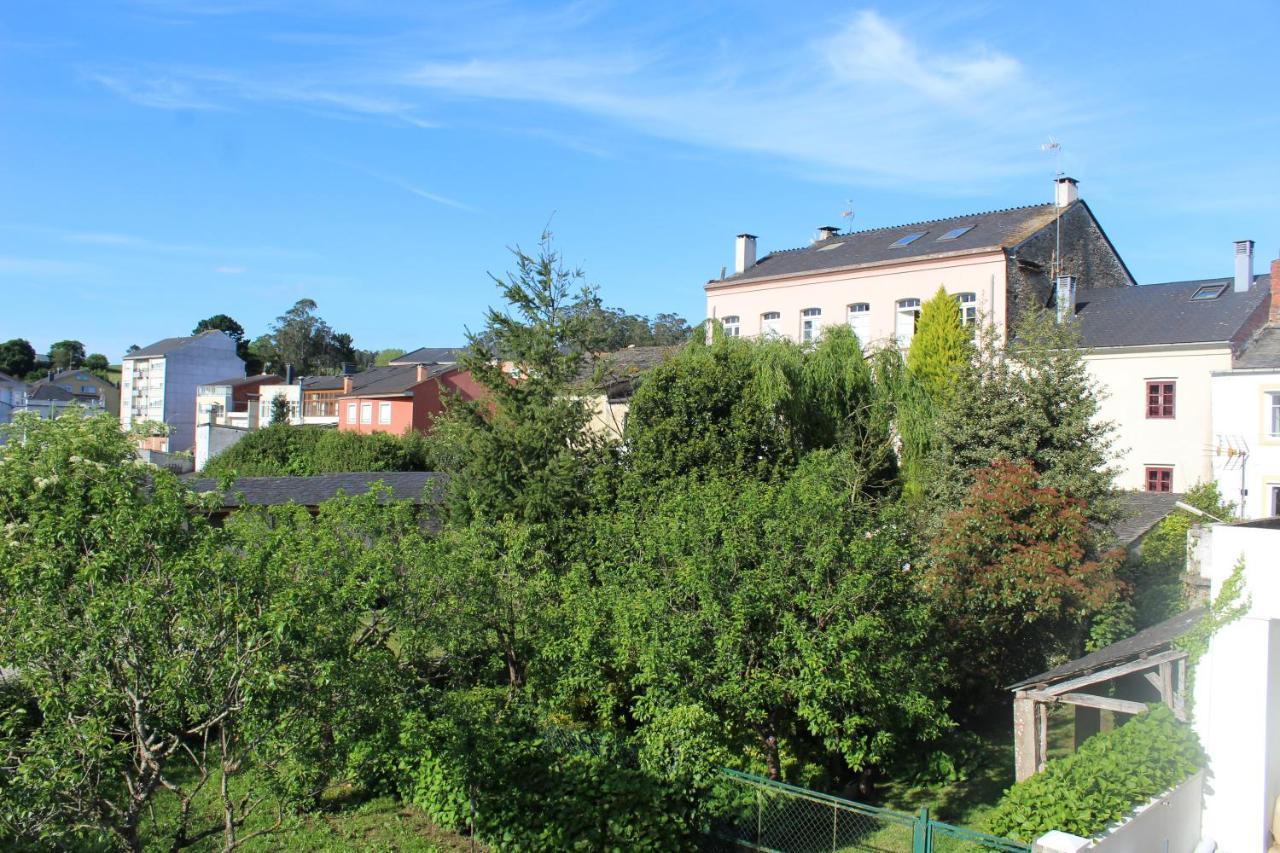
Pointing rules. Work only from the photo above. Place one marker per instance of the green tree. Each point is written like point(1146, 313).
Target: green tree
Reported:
point(65, 355)
point(940, 348)
point(1012, 571)
point(384, 357)
point(670, 329)
point(1031, 400)
point(96, 362)
point(279, 410)
point(17, 357)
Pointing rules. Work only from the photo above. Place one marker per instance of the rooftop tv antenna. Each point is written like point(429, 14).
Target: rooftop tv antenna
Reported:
point(1056, 147)
point(847, 215)
point(1233, 450)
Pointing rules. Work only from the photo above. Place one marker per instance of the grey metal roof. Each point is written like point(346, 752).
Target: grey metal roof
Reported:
point(1138, 512)
point(429, 355)
point(1263, 350)
point(1165, 314)
point(168, 345)
point(993, 229)
point(1156, 638)
point(417, 486)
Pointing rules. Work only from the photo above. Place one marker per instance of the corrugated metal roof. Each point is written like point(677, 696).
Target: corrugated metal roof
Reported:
point(990, 230)
point(1166, 314)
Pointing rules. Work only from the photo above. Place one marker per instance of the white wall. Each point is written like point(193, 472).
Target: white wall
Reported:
point(880, 286)
point(1183, 442)
point(1240, 415)
point(1237, 692)
point(1169, 824)
point(205, 360)
point(212, 439)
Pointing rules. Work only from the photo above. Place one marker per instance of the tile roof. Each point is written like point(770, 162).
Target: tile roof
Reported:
point(168, 345)
point(1262, 351)
point(387, 381)
point(611, 369)
point(993, 229)
point(1165, 313)
point(429, 355)
point(417, 486)
point(1143, 643)
point(1138, 513)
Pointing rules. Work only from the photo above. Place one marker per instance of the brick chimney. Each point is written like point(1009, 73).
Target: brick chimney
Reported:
point(1274, 317)
point(422, 372)
point(348, 384)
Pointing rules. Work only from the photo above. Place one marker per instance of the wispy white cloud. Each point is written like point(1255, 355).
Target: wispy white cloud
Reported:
point(408, 187)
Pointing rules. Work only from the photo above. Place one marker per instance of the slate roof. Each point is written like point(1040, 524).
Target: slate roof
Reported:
point(1165, 314)
point(322, 383)
point(168, 345)
point(417, 486)
point(993, 229)
point(389, 381)
point(429, 355)
point(1138, 513)
point(608, 371)
point(1263, 351)
point(1154, 639)
point(48, 391)
point(7, 379)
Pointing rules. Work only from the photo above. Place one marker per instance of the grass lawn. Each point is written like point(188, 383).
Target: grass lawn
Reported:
point(379, 824)
point(985, 770)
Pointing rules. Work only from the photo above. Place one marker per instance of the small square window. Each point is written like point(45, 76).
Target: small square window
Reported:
point(1159, 479)
point(1160, 398)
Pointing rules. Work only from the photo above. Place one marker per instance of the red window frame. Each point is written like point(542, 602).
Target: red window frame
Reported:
point(1159, 478)
point(1161, 397)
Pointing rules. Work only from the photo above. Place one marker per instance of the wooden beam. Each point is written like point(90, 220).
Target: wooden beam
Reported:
point(1106, 703)
point(1114, 672)
point(1166, 683)
point(1152, 678)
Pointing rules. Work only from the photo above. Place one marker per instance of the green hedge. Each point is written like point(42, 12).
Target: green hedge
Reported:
point(282, 450)
point(474, 765)
point(1103, 781)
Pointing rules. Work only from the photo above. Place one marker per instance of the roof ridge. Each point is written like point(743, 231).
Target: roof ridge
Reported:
point(848, 234)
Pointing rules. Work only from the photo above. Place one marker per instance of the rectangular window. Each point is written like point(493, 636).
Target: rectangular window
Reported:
point(732, 326)
point(1275, 500)
point(904, 327)
point(810, 321)
point(1273, 414)
point(351, 413)
point(769, 324)
point(1159, 479)
point(968, 308)
point(366, 413)
point(384, 413)
point(860, 321)
point(1160, 398)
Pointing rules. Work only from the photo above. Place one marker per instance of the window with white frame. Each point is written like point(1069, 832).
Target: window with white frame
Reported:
point(366, 413)
point(770, 324)
point(1273, 414)
point(810, 323)
point(384, 413)
point(351, 413)
point(732, 326)
point(860, 321)
point(968, 303)
point(904, 326)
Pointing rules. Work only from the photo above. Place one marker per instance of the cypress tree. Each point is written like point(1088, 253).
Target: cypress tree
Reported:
point(940, 347)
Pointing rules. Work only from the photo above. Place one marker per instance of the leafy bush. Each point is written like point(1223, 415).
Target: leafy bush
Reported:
point(283, 450)
point(474, 763)
point(1103, 781)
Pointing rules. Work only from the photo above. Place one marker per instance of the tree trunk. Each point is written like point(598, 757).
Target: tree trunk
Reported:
point(769, 743)
point(515, 669)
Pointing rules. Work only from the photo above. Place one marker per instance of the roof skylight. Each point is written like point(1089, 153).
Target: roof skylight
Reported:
point(907, 240)
point(1209, 291)
point(831, 246)
point(956, 233)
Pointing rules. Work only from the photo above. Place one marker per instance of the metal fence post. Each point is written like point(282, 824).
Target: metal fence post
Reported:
point(835, 818)
point(920, 841)
point(759, 815)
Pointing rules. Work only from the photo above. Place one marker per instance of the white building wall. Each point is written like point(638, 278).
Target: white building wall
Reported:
point(881, 287)
point(1241, 420)
point(1237, 692)
point(206, 359)
point(1183, 442)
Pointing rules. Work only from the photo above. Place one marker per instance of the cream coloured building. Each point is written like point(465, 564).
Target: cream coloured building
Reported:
point(997, 264)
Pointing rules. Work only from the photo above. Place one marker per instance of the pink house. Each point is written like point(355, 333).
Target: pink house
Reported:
point(397, 399)
point(996, 264)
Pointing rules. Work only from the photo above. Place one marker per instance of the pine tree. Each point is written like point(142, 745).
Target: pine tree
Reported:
point(940, 347)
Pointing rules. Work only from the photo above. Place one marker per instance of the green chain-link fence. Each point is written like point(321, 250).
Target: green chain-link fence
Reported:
point(760, 814)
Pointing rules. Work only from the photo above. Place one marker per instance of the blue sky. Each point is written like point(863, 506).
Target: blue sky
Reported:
point(164, 161)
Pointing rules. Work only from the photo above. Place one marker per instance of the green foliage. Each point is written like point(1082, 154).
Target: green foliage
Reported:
point(279, 409)
point(96, 362)
point(1032, 400)
point(1012, 570)
point(1099, 785)
point(384, 357)
point(65, 355)
point(940, 348)
point(478, 762)
point(17, 357)
point(283, 450)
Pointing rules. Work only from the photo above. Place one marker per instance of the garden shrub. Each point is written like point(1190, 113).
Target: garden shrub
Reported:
point(472, 763)
point(282, 450)
point(1110, 775)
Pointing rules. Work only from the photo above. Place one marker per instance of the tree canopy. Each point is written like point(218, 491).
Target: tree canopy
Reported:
point(17, 358)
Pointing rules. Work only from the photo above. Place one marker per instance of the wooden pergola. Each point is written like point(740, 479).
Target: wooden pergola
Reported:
point(1124, 678)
